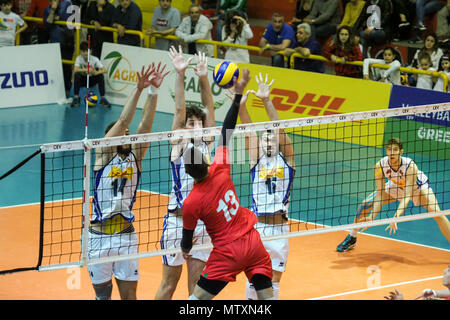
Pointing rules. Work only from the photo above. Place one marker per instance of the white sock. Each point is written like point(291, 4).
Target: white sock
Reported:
point(192, 297)
point(276, 290)
point(250, 292)
point(353, 232)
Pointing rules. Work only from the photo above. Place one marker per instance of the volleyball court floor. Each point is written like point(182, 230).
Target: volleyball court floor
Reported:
point(410, 261)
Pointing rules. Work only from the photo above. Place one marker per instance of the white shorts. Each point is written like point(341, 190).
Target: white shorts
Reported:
point(397, 192)
point(104, 245)
point(171, 238)
point(277, 249)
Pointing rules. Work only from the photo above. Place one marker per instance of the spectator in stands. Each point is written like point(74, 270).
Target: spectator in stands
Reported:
point(21, 7)
point(302, 9)
point(306, 46)
point(424, 81)
point(224, 6)
point(399, 22)
point(127, 16)
point(324, 17)
point(166, 20)
point(37, 9)
point(278, 36)
point(237, 31)
point(391, 75)
point(100, 14)
point(343, 50)
point(375, 28)
point(96, 72)
point(353, 14)
point(58, 10)
point(431, 46)
point(8, 24)
point(425, 8)
point(195, 27)
point(444, 69)
point(442, 23)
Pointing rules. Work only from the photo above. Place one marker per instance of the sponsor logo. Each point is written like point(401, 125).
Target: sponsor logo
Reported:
point(23, 79)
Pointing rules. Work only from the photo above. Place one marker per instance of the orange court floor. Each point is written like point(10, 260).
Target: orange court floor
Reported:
point(314, 270)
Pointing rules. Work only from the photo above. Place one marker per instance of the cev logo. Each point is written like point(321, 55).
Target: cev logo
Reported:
point(308, 104)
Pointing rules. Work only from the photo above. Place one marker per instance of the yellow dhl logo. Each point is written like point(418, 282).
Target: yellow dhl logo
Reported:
point(117, 173)
point(265, 173)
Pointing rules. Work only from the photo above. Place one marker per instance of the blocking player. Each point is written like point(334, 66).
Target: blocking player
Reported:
point(186, 117)
point(405, 182)
point(117, 173)
point(272, 170)
point(213, 200)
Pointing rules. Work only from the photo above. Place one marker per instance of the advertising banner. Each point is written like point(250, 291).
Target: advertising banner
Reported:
point(31, 75)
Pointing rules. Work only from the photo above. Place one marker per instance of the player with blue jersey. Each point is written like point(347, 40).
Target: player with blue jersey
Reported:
point(272, 170)
point(117, 171)
point(185, 117)
point(397, 179)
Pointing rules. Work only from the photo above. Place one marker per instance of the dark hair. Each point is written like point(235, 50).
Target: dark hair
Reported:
point(2, 2)
point(195, 163)
point(349, 44)
point(424, 55)
point(395, 141)
point(436, 42)
point(194, 111)
point(444, 57)
point(84, 46)
point(230, 19)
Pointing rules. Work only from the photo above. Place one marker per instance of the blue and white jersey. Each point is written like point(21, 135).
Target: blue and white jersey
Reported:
point(115, 189)
point(272, 181)
point(398, 177)
point(182, 183)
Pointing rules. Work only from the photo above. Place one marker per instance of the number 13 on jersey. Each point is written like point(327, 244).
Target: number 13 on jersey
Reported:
point(229, 205)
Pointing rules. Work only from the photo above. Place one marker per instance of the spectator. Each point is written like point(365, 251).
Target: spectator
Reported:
point(99, 14)
point(21, 7)
point(399, 22)
point(324, 18)
point(428, 294)
point(96, 72)
point(278, 36)
point(391, 75)
point(82, 6)
point(431, 46)
point(375, 28)
point(37, 9)
point(237, 31)
point(425, 8)
point(424, 81)
point(442, 25)
point(9, 22)
point(58, 10)
point(342, 50)
point(127, 16)
point(353, 15)
point(165, 21)
point(444, 68)
point(306, 46)
point(302, 9)
point(195, 27)
point(225, 5)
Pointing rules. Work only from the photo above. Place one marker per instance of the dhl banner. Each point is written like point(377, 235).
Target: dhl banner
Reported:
point(299, 94)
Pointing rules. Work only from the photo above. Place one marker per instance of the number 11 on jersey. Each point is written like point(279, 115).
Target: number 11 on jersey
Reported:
point(228, 205)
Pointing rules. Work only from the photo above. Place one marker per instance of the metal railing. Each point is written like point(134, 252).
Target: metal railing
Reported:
point(216, 44)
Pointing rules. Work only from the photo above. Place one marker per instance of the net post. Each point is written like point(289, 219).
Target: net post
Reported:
point(86, 201)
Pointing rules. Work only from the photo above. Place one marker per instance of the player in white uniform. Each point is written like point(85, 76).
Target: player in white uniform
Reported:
point(117, 173)
point(185, 118)
point(405, 182)
point(272, 169)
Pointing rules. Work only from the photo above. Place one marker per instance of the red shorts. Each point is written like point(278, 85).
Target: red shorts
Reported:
point(244, 254)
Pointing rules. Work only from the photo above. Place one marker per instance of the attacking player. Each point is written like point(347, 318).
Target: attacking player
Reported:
point(272, 170)
point(405, 182)
point(237, 244)
point(117, 173)
point(186, 117)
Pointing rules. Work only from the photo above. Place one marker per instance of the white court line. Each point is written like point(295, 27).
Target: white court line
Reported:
point(375, 288)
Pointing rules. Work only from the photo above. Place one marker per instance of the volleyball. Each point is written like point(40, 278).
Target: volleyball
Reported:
point(92, 99)
point(224, 73)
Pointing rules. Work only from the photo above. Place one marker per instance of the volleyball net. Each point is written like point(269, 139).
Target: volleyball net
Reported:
point(334, 158)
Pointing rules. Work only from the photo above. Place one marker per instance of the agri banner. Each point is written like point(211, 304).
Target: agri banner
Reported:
point(25, 81)
point(426, 133)
point(124, 62)
point(299, 94)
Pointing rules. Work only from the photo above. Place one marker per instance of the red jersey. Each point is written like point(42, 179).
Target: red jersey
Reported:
point(214, 201)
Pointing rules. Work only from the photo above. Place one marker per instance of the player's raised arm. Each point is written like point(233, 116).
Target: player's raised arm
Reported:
point(201, 70)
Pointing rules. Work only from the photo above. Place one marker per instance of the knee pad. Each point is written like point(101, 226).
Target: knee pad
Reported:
point(261, 282)
point(211, 286)
point(103, 292)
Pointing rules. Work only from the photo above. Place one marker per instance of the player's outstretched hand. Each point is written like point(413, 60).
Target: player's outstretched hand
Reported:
point(178, 60)
point(263, 87)
point(392, 228)
point(202, 65)
point(158, 75)
point(145, 77)
point(394, 295)
point(239, 86)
